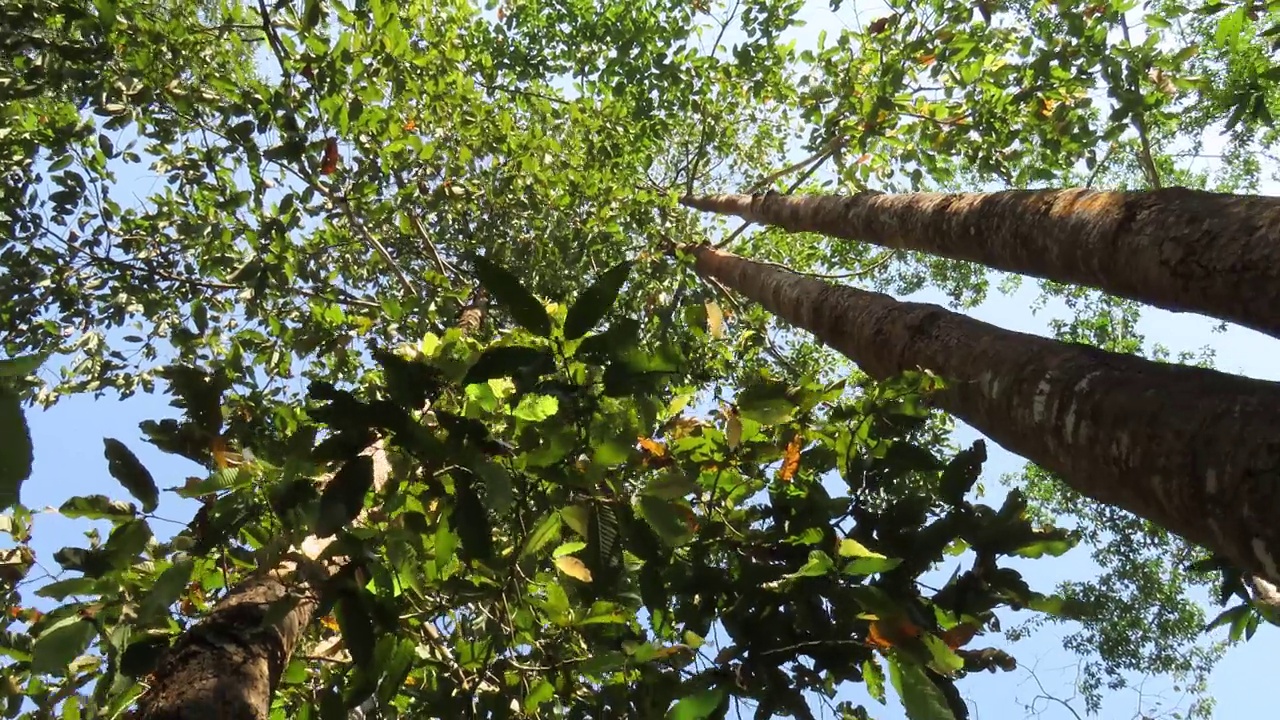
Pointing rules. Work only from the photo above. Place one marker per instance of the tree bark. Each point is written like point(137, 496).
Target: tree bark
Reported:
point(1178, 249)
point(1194, 450)
point(228, 666)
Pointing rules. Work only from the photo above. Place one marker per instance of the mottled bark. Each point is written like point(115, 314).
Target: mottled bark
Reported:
point(228, 666)
point(1179, 249)
point(1193, 450)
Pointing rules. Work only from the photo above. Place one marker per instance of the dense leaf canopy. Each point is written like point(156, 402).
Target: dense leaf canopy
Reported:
point(617, 491)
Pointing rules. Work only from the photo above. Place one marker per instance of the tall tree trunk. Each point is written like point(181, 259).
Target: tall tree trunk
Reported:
point(1179, 249)
point(1193, 450)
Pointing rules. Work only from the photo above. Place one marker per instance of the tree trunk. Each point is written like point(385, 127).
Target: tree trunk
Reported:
point(1193, 450)
point(1179, 249)
point(228, 666)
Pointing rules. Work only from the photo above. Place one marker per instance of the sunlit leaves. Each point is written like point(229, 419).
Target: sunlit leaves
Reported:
point(672, 520)
point(60, 643)
point(698, 706)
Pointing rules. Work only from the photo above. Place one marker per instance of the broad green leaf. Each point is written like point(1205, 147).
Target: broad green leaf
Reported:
point(873, 676)
point(595, 302)
point(536, 408)
point(671, 486)
point(497, 485)
point(168, 587)
point(920, 697)
point(220, 480)
point(60, 643)
point(568, 548)
point(356, 625)
point(767, 404)
point(512, 295)
point(1054, 546)
point(670, 519)
point(132, 474)
point(15, 448)
point(98, 507)
point(698, 706)
point(541, 692)
point(71, 586)
point(344, 495)
point(865, 562)
point(127, 541)
point(21, 366)
point(543, 533)
point(396, 669)
point(943, 660)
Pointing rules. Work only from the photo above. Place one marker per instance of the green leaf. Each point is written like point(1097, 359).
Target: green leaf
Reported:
point(125, 467)
point(671, 486)
point(22, 365)
point(98, 507)
point(596, 301)
point(920, 697)
point(536, 408)
point(343, 497)
point(943, 660)
point(698, 706)
point(525, 309)
point(865, 562)
point(60, 643)
point(508, 361)
point(126, 542)
point(356, 625)
point(543, 534)
point(311, 14)
point(168, 587)
point(497, 485)
point(396, 669)
point(767, 404)
point(221, 480)
point(668, 518)
point(16, 455)
point(71, 586)
point(873, 676)
point(541, 692)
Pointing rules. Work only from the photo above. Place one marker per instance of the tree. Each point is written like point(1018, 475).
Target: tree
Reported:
point(330, 202)
point(1180, 249)
point(1184, 447)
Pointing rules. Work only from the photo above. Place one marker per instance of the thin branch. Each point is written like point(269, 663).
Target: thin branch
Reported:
point(831, 146)
point(445, 268)
point(203, 284)
point(1140, 123)
point(373, 242)
point(817, 162)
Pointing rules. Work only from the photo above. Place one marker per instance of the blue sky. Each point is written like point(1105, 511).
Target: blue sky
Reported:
point(69, 461)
